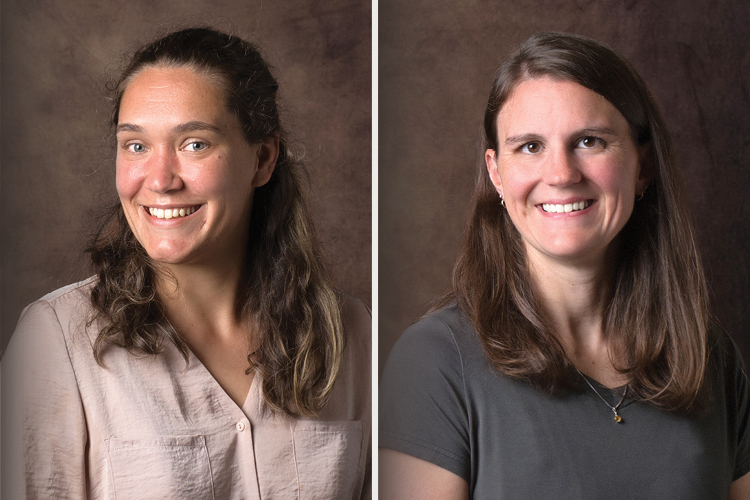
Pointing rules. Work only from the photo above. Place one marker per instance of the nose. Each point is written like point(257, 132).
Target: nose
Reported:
point(561, 168)
point(163, 171)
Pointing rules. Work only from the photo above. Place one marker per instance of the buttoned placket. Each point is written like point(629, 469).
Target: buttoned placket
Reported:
point(246, 444)
point(244, 451)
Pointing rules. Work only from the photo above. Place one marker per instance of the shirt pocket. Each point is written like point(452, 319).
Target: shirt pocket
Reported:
point(159, 467)
point(330, 459)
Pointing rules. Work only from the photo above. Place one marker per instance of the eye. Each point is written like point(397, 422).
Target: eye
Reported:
point(531, 147)
point(196, 146)
point(589, 142)
point(135, 147)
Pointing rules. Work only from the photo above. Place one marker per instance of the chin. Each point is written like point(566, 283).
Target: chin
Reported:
point(577, 254)
point(168, 255)
point(573, 250)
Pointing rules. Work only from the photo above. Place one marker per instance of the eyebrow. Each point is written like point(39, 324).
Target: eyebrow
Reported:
point(183, 127)
point(597, 130)
point(521, 139)
point(524, 138)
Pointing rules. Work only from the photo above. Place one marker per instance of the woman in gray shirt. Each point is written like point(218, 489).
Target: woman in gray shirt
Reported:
point(574, 357)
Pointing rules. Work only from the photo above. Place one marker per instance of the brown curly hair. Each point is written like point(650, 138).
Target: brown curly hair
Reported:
point(286, 289)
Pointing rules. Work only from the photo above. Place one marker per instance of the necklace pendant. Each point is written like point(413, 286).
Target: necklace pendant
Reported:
point(614, 408)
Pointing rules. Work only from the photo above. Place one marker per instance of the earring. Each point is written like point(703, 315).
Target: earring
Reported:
point(640, 197)
point(502, 202)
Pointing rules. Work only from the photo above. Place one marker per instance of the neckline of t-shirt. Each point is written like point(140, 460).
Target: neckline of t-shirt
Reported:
point(618, 391)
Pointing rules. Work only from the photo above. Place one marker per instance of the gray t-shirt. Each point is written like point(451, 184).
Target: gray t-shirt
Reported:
point(441, 401)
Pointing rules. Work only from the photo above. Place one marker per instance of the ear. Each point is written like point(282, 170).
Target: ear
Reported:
point(491, 161)
point(268, 153)
point(646, 167)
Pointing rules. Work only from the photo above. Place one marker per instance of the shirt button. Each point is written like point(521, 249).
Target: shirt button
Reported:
point(240, 426)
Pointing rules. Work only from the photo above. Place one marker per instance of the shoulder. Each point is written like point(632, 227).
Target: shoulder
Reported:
point(65, 310)
point(438, 353)
point(43, 417)
point(50, 334)
point(69, 300)
point(424, 391)
point(444, 336)
point(70, 292)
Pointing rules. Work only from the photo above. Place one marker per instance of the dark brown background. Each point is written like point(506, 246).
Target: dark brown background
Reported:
point(436, 63)
point(55, 165)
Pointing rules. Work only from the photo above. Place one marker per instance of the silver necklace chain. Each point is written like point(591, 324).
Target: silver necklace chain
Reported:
point(614, 408)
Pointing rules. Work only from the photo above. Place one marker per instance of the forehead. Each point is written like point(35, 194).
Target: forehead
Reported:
point(540, 105)
point(172, 87)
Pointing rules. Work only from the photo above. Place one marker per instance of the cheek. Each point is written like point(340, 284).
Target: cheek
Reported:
point(126, 182)
point(517, 183)
point(617, 179)
point(236, 178)
point(206, 180)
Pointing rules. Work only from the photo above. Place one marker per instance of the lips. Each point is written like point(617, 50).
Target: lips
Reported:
point(171, 213)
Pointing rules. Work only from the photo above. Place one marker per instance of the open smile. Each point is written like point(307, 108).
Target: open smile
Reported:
point(553, 208)
point(172, 213)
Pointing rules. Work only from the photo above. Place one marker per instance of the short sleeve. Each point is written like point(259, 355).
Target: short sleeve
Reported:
point(43, 425)
point(422, 400)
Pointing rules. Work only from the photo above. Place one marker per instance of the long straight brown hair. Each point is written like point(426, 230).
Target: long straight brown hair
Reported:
point(657, 318)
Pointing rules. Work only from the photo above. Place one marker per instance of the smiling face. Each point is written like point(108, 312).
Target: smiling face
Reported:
point(567, 168)
point(185, 173)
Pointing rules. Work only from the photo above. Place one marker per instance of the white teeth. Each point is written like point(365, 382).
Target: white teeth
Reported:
point(567, 208)
point(172, 213)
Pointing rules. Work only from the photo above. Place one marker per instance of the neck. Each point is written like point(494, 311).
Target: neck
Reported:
point(574, 298)
point(200, 299)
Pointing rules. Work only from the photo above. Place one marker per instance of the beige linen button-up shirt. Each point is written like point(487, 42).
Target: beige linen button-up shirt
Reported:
point(156, 427)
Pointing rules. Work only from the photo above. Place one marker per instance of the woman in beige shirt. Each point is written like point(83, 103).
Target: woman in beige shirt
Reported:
point(210, 356)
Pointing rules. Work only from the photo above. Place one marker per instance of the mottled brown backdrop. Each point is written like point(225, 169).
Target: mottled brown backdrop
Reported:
point(436, 62)
point(55, 165)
